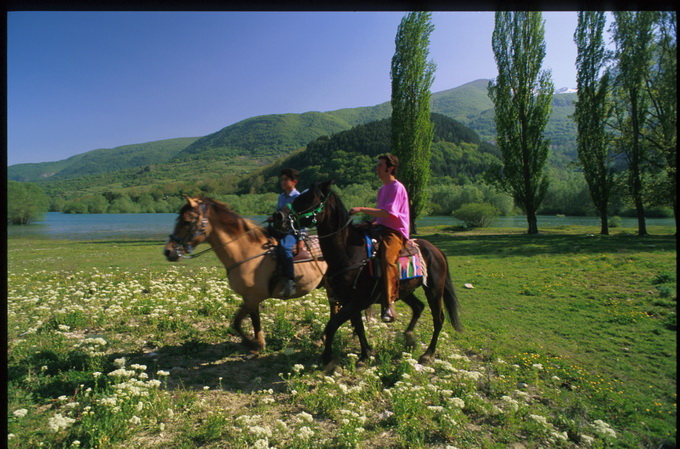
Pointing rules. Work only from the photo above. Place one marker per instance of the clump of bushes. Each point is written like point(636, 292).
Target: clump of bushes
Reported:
point(476, 215)
point(615, 222)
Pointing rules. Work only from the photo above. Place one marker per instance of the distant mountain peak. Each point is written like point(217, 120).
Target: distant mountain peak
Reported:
point(566, 90)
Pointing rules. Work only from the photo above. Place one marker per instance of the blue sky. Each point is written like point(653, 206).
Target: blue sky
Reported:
point(79, 81)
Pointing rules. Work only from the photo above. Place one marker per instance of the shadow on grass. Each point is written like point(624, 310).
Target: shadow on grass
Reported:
point(507, 245)
point(227, 366)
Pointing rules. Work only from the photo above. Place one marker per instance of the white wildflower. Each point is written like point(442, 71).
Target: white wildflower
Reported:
point(135, 420)
point(537, 366)
point(305, 433)
point(539, 419)
point(603, 428)
point(458, 402)
point(260, 431)
point(58, 422)
point(587, 440)
point(20, 413)
point(560, 435)
point(304, 416)
point(120, 363)
point(510, 403)
point(261, 444)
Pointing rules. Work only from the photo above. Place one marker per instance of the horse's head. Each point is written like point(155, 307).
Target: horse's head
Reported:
point(191, 229)
point(305, 210)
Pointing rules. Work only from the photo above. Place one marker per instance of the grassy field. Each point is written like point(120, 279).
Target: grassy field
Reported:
point(570, 341)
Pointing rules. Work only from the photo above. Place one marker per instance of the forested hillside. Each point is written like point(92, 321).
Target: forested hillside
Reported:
point(349, 156)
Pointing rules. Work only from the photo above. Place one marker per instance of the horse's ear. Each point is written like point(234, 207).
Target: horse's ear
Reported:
point(193, 202)
point(325, 186)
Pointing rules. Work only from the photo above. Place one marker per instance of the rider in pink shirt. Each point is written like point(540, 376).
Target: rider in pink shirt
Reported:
point(393, 215)
point(393, 199)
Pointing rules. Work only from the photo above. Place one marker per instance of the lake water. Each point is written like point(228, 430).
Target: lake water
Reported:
point(157, 226)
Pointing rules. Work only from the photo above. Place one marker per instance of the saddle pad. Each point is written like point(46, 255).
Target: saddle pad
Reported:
point(410, 266)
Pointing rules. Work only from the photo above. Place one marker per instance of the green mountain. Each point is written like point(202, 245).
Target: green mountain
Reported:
point(220, 160)
point(100, 161)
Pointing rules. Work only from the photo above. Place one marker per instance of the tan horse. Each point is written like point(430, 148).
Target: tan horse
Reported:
point(246, 250)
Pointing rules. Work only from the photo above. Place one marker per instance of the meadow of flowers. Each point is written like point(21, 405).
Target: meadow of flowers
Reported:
point(108, 357)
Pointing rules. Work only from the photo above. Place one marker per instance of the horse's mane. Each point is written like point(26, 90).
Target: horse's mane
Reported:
point(234, 223)
point(333, 200)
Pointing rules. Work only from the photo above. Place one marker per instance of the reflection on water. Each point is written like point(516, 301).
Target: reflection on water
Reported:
point(158, 226)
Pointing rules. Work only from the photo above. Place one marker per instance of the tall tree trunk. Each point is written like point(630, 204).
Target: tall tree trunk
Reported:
point(533, 222)
point(604, 223)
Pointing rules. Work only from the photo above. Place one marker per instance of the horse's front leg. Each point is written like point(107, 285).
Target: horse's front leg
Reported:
point(358, 325)
point(248, 309)
point(334, 323)
point(257, 328)
point(417, 308)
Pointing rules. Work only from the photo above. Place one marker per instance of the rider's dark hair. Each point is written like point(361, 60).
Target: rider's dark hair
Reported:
point(291, 173)
point(390, 161)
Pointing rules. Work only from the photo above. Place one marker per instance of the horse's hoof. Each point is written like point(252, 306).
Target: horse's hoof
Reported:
point(253, 345)
point(330, 367)
point(410, 340)
point(425, 359)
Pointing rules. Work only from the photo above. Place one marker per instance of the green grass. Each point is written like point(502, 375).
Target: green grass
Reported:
point(570, 341)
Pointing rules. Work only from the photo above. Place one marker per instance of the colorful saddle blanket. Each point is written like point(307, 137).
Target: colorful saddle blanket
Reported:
point(410, 262)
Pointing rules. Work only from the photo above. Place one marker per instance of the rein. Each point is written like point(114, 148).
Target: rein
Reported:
point(197, 232)
point(312, 211)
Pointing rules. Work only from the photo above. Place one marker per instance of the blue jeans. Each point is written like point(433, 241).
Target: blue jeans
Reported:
point(285, 253)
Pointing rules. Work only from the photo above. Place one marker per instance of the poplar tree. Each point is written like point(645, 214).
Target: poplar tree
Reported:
point(663, 94)
point(633, 36)
point(412, 130)
point(593, 111)
point(522, 95)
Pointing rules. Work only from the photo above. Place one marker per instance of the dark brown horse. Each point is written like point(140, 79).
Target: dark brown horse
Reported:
point(343, 247)
point(245, 249)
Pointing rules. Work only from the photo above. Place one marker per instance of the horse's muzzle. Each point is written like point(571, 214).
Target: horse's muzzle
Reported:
point(170, 252)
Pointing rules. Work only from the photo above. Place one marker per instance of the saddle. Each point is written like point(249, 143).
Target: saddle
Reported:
point(310, 250)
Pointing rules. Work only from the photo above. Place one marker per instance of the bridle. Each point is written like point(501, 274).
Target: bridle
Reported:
point(295, 217)
point(312, 211)
point(183, 245)
point(185, 250)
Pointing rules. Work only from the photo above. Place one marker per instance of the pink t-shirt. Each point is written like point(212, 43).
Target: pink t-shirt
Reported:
point(393, 198)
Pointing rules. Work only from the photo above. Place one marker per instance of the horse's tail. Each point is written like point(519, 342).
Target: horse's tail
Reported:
point(451, 302)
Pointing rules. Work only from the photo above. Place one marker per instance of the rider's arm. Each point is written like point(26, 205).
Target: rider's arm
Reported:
point(373, 212)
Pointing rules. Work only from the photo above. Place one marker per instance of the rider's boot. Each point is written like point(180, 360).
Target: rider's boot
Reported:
point(288, 288)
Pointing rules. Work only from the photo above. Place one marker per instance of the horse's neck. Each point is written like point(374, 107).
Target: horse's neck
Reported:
point(336, 248)
point(233, 247)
